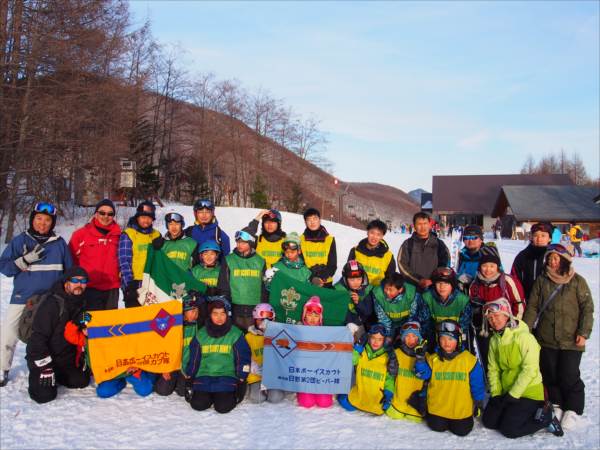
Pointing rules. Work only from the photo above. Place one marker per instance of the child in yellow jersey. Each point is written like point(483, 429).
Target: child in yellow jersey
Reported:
point(411, 348)
point(374, 387)
point(262, 313)
point(456, 386)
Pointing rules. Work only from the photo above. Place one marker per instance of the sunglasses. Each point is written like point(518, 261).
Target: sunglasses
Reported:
point(174, 217)
point(46, 208)
point(243, 236)
point(471, 237)
point(104, 213)
point(75, 280)
point(448, 327)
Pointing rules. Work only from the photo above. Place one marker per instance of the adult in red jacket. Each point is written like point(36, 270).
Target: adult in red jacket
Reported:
point(491, 283)
point(94, 247)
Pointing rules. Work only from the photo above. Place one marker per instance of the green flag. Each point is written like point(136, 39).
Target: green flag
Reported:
point(288, 296)
point(164, 281)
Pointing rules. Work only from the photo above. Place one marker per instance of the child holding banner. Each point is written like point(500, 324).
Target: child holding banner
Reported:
point(312, 315)
point(292, 262)
point(411, 348)
point(262, 313)
point(355, 282)
point(456, 387)
point(393, 301)
point(219, 360)
point(374, 387)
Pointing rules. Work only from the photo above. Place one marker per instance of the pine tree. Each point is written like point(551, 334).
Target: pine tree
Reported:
point(259, 197)
point(294, 200)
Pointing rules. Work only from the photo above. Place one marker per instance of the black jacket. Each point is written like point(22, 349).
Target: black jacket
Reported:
point(418, 258)
point(47, 337)
point(528, 266)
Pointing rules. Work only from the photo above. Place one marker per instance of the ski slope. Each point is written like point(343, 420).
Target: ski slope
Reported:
point(79, 419)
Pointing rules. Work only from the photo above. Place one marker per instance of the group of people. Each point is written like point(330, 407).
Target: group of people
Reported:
point(432, 342)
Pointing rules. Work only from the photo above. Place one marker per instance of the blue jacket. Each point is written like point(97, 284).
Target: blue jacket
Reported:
point(212, 231)
point(41, 275)
point(468, 263)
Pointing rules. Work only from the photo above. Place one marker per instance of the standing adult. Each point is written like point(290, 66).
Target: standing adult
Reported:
point(207, 227)
point(133, 250)
point(35, 259)
point(94, 247)
point(576, 236)
point(318, 249)
point(50, 357)
point(422, 253)
point(529, 263)
point(561, 314)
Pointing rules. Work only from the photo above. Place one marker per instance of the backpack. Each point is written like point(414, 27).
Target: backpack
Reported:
point(578, 233)
point(32, 305)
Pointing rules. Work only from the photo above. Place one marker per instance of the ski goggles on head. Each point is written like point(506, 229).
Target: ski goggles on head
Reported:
point(448, 327)
point(442, 272)
point(174, 217)
point(76, 280)
point(45, 208)
point(290, 246)
point(243, 236)
point(272, 215)
point(491, 308)
point(204, 204)
point(411, 326)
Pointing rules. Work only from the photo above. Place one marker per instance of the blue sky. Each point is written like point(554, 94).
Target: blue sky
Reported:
point(407, 90)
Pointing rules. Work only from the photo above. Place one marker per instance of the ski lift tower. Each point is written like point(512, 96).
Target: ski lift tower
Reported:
point(127, 179)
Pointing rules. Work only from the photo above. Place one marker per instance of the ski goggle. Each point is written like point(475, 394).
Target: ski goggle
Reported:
point(272, 215)
point(265, 314)
point(75, 280)
point(174, 217)
point(442, 272)
point(411, 326)
point(448, 327)
point(45, 208)
point(243, 236)
point(491, 308)
point(204, 204)
point(471, 237)
point(290, 246)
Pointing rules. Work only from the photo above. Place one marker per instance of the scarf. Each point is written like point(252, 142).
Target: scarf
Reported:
point(558, 278)
point(40, 238)
point(490, 280)
point(318, 235)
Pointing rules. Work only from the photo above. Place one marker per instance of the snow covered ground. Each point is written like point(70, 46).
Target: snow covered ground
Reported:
point(79, 419)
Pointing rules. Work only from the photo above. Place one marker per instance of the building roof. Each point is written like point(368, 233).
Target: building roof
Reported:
point(549, 203)
point(477, 194)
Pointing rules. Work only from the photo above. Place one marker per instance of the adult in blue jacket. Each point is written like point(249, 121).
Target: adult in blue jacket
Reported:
point(207, 227)
point(36, 259)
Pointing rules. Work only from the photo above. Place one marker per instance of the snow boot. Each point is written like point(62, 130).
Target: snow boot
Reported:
point(4, 379)
point(555, 427)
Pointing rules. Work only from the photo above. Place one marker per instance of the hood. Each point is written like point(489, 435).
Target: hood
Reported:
point(378, 251)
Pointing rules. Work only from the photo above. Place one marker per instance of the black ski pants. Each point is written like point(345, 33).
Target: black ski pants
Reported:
point(513, 420)
point(97, 300)
point(70, 377)
point(223, 402)
point(560, 373)
point(460, 427)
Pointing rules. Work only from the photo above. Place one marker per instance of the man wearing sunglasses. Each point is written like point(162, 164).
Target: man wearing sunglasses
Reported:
point(207, 227)
point(51, 359)
point(36, 259)
point(94, 247)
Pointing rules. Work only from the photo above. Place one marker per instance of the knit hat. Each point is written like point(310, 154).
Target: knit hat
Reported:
point(565, 252)
point(74, 271)
point(411, 327)
point(273, 215)
point(311, 212)
point(291, 238)
point(501, 305)
point(489, 254)
point(105, 202)
point(473, 230)
point(546, 227)
point(146, 208)
point(313, 304)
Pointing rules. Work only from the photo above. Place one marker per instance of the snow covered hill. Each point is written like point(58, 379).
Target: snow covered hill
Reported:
point(79, 419)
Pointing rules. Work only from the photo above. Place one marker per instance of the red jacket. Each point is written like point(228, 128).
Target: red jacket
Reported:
point(97, 254)
point(505, 286)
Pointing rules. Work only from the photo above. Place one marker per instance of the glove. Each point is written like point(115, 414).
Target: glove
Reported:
point(269, 274)
point(420, 351)
point(392, 364)
point(189, 390)
point(465, 279)
point(30, 257)
point(422, 370)
point(83, 320)
point(359, 347)
point(158, 243)
point(131, 295)
point(46, 371)
point(386, 399)
point(255, 368)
